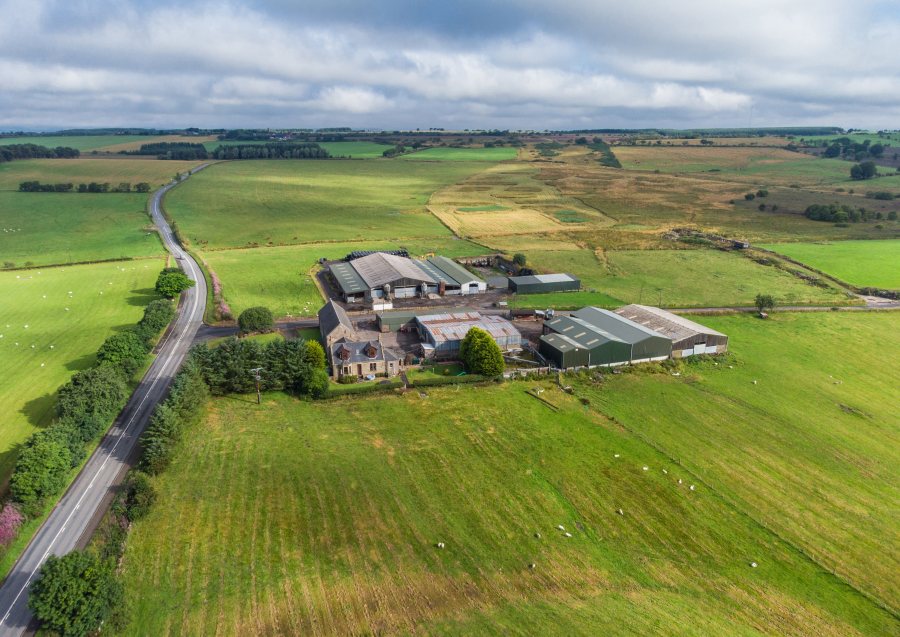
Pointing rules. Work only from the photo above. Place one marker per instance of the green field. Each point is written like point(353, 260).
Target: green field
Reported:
point(76, 171)
point(670, 278)
point(81, 142)
point(280, 279)
point(105, 297)
point(46, 228)
point(802, 438)
point(860, 263)
point(323, 518)
point(354, 150)
point(238, 204)
point(462, 154)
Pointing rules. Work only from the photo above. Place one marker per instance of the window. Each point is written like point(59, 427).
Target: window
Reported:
point(373, 367)
point(346, 370)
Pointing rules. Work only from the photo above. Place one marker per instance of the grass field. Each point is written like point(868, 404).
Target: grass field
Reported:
point(48, 228)
point(287, 202)
point(669, 278)
point(803, 438)
point(105, 297)
point(84, 143)
point(280, 279)
point(860, 263)
point(323, 518)
point(76, 171)
point(354, 150)
point(462, 154)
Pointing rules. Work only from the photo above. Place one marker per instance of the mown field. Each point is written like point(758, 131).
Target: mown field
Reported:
point(323, 518)
point(802, 433)
point(462, 154)
point(84, 143)
point(48, 228)
point(238, 204)
point(281, 277)
point(669, 278)
point(43, 343)
point(860, 263)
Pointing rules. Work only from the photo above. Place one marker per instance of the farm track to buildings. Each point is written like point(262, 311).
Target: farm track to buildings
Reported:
point(71, 522)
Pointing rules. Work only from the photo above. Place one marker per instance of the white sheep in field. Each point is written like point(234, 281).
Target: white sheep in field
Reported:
point(560, 527)
point(440, 545)
point(568, 534)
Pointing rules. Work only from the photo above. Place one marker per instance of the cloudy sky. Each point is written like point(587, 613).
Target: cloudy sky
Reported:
point(521, 64)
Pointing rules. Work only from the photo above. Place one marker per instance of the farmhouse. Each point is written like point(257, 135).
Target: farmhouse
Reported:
point(688, 338)
point(540, 283)
point(347, 354)
point(384, 275)
point(442, 334)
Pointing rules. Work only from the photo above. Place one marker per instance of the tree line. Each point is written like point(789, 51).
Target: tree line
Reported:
point(274, 150)
point(184, 151)
point(843, 213)
point(15, 152)
point(846, 148)
point(94, 187)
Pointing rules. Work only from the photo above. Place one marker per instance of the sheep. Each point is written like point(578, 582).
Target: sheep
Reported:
point(754, 382)
point(692, 487)
point(679, 480)
point(567, 534)
point(753, 564)
point(532, 566)
point(440, 545)
point(646, 468)
point(620, 511)
point(537, 535)
point(560, 527)
point(615, 455)
point(665, 472)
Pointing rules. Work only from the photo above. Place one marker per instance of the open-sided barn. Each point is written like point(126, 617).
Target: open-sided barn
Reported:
point(688, 338)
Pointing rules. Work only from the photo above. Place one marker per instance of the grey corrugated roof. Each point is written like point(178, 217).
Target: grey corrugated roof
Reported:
point(379, 268)
point(624, 329)
point(331, 315)
point(560, 342)
point(437, 273)
point(581, 332)
point(670, 325)
point(542, 278)
point(454, 270)
point(454, 326)
point(347, 278)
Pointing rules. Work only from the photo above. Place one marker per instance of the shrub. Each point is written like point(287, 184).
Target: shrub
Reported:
point(138, 495)
point(762, 193)
point(157, 315)
point(10, 521)
point(126, 349)
point(749, 196)
point(481, 354)
point(256, 319)
point(171, 282)
point(91, 399)
point(75, 593)
point(40, 471)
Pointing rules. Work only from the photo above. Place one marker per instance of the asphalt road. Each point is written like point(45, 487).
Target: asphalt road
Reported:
point(91, 490)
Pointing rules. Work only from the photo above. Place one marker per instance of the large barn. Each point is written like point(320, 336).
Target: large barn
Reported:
point(380, 274)
point(688, 338)
point(542, 283)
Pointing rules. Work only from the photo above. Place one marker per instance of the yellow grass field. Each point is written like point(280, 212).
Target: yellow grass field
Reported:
point(88, 169)
point(135, 145)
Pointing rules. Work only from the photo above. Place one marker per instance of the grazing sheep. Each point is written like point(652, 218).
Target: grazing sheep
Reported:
point(615, 455)
point(440, 545)
point(568, 534)
point(753, 565)
point(537, 535)
point(665, 472)
point(560, 527)
point(620, 511)
point(679, 480)
point(646, 468)
point(692, 487)
point(532, 566)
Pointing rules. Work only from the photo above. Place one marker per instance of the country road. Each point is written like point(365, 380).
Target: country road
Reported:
point(71, 519)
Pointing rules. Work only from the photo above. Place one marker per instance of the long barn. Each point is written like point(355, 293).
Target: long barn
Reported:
point(688, 338)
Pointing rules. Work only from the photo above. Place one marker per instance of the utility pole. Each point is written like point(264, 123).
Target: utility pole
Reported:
point(256, 371)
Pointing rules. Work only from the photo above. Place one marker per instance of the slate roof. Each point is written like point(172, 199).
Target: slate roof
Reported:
point(331, 316)
point(358, 354)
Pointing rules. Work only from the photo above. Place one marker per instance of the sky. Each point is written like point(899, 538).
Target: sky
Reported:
point(455, 64)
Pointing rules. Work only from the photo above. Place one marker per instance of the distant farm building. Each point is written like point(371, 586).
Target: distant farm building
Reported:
point(540, 283)
point(442, 334)
point(688, 338)
point(383, 275)
point(347, 354)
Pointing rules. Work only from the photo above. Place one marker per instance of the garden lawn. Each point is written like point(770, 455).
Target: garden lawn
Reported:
point(462, 154)
point(800, 430)
point(105, 297)
point(47, 228)
point(323, 518)
point(670, 278)
point(281, 278)
point(287, 202)
point(860, 263)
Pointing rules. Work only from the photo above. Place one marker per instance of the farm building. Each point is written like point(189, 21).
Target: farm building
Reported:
point(592, 336)
point(380, 274)
point(442, 334)
point(688, 338)
point(573, 342)
point(334, 324)
point(362, 359)
point(405, 320)
point(539, 283)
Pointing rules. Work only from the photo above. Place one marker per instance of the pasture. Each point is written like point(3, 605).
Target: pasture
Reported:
point(352, 149)
point(324, 518)
point(243, 204)
point(462, 154)
point(281, 278)
point(84, 143)
point(669, 278)
point(800, 432)
point(860, 263)
point(86, 170)
point(50, 228)
point(43, 343)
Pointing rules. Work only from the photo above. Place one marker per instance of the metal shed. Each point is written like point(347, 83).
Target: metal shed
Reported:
point(688, 338)
point(538, 283)
point(646, 344)
point(444, 332)
point(573, 342)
